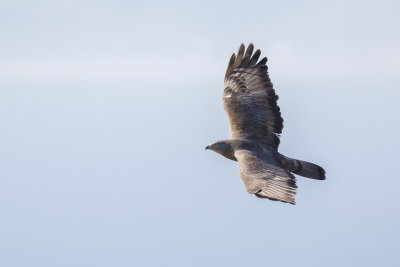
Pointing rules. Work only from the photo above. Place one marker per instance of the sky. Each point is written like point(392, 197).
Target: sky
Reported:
point(106, 107)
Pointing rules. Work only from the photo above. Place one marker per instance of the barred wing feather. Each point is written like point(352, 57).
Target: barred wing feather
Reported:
point(250, 100)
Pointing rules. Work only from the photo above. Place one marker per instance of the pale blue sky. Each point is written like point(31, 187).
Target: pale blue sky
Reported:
point(106, 107)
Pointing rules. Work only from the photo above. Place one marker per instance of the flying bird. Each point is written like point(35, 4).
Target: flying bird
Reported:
point(256, 123)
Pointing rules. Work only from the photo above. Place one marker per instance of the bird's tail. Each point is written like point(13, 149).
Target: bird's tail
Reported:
point(304, 168)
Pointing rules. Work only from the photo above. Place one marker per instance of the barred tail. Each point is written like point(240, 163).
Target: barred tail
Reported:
point(304, 168)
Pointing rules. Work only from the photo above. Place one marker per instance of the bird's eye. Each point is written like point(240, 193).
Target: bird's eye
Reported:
point(216, 145)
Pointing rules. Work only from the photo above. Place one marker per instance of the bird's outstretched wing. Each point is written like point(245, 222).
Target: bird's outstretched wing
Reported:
point(265, 180)
point(250, 100)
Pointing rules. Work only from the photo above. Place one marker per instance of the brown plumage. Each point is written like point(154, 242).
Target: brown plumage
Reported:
point(250, 102)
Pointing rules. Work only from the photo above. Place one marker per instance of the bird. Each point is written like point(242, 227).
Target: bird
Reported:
point(250, 101)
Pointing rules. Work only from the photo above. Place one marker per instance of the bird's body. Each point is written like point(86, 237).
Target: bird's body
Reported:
point(256, 123)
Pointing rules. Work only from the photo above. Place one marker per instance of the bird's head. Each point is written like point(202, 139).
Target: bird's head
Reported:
point(222, 147)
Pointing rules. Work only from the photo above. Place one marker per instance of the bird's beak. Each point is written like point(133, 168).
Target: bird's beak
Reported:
point(208, 147)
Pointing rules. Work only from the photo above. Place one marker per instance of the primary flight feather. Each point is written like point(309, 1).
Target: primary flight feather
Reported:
point(255, 120)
